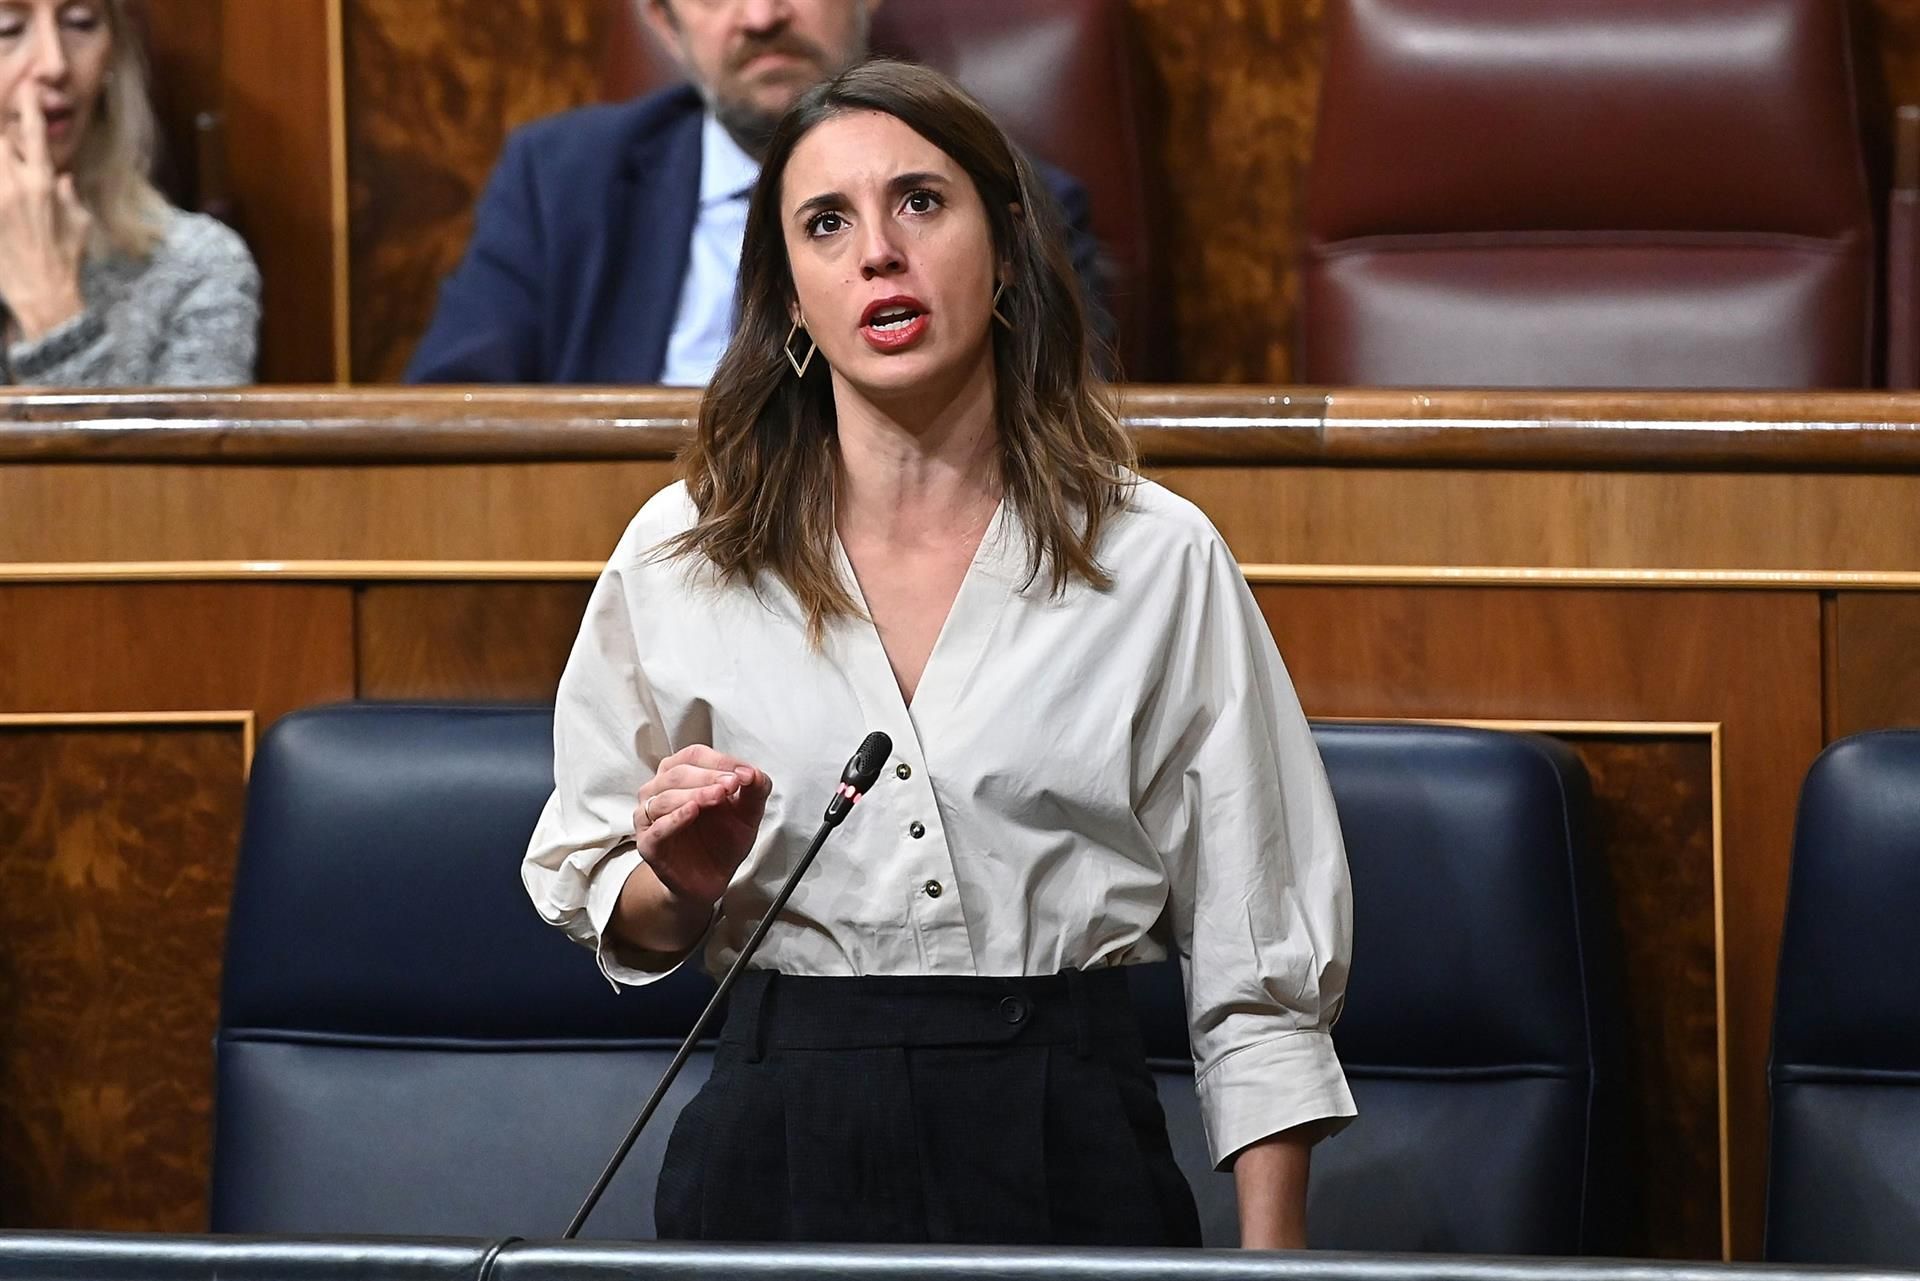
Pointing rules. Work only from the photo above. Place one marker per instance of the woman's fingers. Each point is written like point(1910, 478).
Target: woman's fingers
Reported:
point(670, 786)
point(700, 797)
point(703, 757)
point(33, 129)
point(756, 784)
point(690, 776)
point(678, 813)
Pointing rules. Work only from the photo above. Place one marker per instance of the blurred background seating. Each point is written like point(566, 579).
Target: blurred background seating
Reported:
point(1062, 76)
point(1594, 193)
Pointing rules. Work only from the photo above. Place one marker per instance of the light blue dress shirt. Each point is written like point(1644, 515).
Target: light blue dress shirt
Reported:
point(704, 320)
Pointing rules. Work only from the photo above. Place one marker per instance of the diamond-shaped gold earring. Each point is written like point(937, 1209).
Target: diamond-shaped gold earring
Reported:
point(813, 349)
point(995, 305)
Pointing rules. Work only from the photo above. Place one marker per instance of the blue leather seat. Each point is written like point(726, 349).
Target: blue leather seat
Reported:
point(1844, 1170)
point(405, 1048)
point(1481, 1034)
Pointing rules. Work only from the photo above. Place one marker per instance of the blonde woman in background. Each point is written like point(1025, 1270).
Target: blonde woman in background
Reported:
point(103, 282)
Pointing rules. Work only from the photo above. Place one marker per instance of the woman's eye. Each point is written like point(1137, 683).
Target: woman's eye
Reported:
point(81, 17)
point(922, 201)
point(824, 224)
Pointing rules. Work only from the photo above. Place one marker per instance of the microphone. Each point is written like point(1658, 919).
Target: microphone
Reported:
point(855, 781)
point(859, 776)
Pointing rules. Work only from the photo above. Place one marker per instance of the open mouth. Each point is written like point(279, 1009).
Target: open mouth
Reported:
point(890, 320)
point(893, 324)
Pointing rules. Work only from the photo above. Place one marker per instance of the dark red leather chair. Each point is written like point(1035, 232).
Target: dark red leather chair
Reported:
point(1599, 193)
point(1060, 75)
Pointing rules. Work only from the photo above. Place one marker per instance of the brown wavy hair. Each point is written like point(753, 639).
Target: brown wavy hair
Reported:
point(762, 462)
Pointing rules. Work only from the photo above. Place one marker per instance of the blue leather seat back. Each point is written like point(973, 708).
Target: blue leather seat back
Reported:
point(406, 1048)
point(1844, 1170)
point(1481, 1029)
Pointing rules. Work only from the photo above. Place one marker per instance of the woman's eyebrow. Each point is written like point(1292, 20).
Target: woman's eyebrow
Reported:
point(815, 204)
point(919, 178)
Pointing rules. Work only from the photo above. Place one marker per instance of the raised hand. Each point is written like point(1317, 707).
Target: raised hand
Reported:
point(697, 820)
point(43, 226)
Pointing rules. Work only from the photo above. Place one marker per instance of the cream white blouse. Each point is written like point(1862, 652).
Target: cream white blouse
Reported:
point(1081, 780)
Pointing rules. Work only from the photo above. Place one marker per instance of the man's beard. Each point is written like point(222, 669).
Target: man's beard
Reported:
point(747, 124)
point(752, 125)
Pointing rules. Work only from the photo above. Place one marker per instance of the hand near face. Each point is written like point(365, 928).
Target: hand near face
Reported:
point(43, 226)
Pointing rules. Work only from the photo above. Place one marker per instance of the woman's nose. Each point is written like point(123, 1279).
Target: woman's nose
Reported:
point(48, 54)
point(879, 255)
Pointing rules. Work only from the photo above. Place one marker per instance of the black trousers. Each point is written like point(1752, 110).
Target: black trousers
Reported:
point(949, 1110)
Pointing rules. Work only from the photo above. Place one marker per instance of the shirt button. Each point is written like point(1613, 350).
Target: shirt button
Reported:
point(916, 829)
point(903, 771)
point(932, 889)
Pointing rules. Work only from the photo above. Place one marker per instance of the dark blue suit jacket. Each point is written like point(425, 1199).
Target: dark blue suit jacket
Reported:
point(580, 247)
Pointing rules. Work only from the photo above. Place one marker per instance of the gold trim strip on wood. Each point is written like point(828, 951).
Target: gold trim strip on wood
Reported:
point(303, 571)
point(1713, 732)
point(242, 717)
point(1257, 573)
point(1578, 576)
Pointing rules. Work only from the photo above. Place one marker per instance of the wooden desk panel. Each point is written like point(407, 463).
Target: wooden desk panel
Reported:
point(127, 718)
point(1693, 590)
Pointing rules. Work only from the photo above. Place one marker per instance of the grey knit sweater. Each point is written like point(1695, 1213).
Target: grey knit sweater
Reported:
point(187, 314)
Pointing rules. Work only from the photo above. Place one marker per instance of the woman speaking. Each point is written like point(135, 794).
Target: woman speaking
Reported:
point(910, 508)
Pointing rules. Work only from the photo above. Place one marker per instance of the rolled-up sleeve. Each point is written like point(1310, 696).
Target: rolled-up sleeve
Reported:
point(1236, 800)
point(607, 741)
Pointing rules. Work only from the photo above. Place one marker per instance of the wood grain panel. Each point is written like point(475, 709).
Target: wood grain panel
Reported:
point(1270, 515)
point(268, 648)
point(116, 854)
point(1240, 80)
point(1653, 818)
point(467, 640)
point(555, 511)
point(184, 42)
point(433, 86)
point(279, 83)
point(1385, 516)
point(1750, 661)
point(1876, 678)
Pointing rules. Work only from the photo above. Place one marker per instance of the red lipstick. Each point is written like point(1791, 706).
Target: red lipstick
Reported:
point(894, 324)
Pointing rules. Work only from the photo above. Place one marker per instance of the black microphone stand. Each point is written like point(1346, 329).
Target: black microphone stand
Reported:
point(859, 775)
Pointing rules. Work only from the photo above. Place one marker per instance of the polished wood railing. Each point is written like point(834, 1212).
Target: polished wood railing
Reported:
point(1660, 431)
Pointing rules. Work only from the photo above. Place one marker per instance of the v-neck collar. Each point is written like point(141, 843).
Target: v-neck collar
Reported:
point(991, 580)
